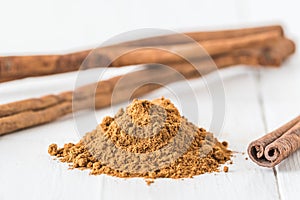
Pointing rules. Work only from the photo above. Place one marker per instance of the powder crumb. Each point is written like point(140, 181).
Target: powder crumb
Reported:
point(225, 144)
point(149, 181)
point(225, 169)
point(148, 139)
point(52, 149)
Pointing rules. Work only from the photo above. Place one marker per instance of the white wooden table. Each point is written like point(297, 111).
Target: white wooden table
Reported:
point(257, 100)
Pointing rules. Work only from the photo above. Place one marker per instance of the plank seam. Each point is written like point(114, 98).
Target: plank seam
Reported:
point(264, 120)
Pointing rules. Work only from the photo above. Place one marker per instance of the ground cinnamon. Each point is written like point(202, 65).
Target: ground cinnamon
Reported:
point(148, 139)
point(274, 147)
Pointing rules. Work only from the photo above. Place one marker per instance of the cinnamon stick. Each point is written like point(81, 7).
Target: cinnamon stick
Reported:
point(274, 147)
point(203, 36)
point(161, 56)
point(14, 67)
point(31, 112)
point(265, 55)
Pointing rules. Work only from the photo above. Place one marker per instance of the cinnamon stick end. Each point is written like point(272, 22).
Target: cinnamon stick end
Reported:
point(256, 154)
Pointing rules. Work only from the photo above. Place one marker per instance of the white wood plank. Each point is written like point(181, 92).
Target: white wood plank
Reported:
point(243, 123)
point(29, 168)
point(281, 97)
point(280, 87)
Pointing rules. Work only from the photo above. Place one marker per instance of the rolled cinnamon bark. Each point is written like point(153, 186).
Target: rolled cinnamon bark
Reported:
point(31, 112)
point(274, 147)
point(161, 56)
point(203, 36)
point(34, 117)
point(15, 67)
point(269, 54)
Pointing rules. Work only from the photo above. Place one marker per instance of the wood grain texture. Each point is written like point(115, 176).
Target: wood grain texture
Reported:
point(50, 179)
point(281, 104)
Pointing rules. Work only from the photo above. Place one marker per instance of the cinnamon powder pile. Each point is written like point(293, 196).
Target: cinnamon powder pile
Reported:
point(148, 139)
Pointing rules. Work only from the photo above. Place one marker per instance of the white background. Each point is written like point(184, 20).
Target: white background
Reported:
point(257, 100)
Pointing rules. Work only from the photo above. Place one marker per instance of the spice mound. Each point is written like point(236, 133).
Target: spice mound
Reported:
point(147, 139)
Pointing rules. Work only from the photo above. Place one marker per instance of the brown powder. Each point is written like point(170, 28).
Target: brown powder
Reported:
point(226, 169)
point(148, 139)
point(149, 181)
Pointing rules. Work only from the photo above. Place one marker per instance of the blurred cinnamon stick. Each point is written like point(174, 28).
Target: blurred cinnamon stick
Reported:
point(215, 42)
point(202, 36)
point(32, 112)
